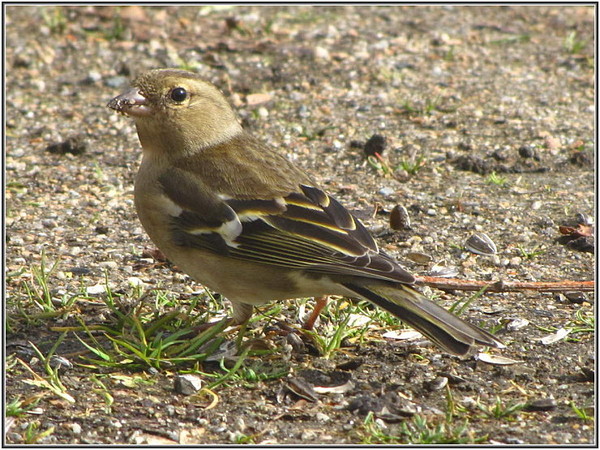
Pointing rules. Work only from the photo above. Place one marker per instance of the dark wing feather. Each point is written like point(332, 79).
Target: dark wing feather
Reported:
point(306, 230)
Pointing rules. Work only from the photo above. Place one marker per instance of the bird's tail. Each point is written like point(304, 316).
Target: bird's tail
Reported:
point(449, 332)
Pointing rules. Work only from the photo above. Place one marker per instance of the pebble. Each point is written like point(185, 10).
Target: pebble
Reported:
point(302, 111)
point(322, 417)
point(307, 435)
point(187, 384)
point(321, 53)
point(515, 261)
point(576, 297)
point(526, 151)
point(93, 77)
point(381, 45)
point(387, 191)
point(16, 166)
point(116, 82)
point(17, 241)
point(376, 144)
point(96, 289)
point(438, 384)
point(49, 223)
point(542, 404)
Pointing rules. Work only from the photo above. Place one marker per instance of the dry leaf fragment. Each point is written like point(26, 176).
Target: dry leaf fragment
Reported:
point(582, 230)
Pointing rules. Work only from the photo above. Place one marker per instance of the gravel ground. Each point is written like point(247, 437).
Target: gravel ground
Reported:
point(488, 119)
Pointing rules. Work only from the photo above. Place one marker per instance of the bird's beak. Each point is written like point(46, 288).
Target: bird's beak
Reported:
point(131, 103)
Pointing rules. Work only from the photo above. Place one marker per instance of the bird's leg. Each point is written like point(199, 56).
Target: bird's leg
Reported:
point(319, 305)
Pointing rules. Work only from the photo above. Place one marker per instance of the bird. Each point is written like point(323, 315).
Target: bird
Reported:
point(243, 220)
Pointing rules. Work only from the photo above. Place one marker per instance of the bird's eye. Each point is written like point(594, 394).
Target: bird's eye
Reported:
point(178, 94)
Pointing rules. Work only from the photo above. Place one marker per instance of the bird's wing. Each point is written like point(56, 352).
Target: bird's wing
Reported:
point(307, 230)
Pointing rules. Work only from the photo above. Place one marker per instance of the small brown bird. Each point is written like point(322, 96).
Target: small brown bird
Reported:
point(244, 221)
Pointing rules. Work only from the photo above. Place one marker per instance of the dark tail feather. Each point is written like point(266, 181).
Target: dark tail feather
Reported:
point(449, 332)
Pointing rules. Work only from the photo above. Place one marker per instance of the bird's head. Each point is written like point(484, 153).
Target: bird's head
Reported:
point(177, 109)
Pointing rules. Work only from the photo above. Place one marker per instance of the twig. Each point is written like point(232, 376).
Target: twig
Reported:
point(506, 286)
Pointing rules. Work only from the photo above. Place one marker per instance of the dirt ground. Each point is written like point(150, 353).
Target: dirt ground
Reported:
point(488, 119)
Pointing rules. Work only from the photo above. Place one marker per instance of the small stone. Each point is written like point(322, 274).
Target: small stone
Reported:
point(525, 151)
point(576, 297)
point(116, 82)
point(438, 384)
point(375, 144)
point(100, 229)
point(49, 223)
point(322, 417)
point(321, 53)
point(582, 159)
point(515, 261)
point(552, 144)
point(92, 77)
point(582, 244)
point(542, 404)
point(263, 112)
point(308, 435)
point(96, 289)
point(380, 45)
point(75, 428)
point(387, 191)
point(187, 384)
point(583, 219)
point(74, 145)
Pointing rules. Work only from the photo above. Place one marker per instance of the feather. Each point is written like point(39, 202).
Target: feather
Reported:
point(445, 329)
